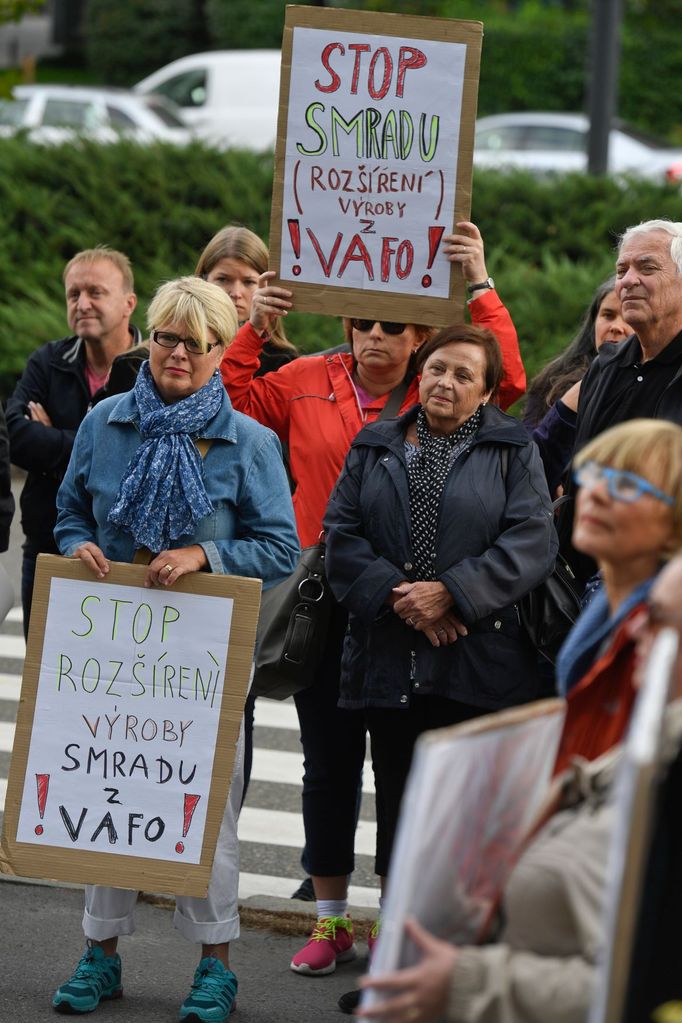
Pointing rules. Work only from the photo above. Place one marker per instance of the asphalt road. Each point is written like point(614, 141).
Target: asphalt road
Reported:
point(41, 942)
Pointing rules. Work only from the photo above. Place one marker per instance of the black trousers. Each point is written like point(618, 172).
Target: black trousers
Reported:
point(31, 549)
point(393, 734)
point(334, 751)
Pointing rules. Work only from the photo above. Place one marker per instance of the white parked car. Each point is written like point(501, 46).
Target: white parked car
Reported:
point(555, 142)
point(59, 113)
point(228, 97)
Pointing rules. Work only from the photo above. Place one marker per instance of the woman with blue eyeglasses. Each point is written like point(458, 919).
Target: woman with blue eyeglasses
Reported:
point(629, 519)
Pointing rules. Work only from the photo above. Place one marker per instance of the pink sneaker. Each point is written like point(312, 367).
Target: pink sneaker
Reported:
point(330, 943)
point(373, 936)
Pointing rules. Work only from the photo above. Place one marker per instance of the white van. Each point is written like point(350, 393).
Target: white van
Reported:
point(228, 97)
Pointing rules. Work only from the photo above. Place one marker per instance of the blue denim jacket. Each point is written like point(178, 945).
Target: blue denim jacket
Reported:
point(251, 532)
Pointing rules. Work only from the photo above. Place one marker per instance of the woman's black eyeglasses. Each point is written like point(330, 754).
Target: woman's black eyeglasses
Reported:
point(192, 346)
point(386, 326)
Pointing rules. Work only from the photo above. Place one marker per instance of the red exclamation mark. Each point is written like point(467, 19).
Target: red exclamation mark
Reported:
point(43, 783)
point(190, 807)
point(295, 235)
point(435, 235)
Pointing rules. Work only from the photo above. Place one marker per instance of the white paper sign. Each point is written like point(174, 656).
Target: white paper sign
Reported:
point(371, 160)
point(127, 711)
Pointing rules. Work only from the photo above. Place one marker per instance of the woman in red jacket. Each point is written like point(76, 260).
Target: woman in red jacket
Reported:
point(316, 406)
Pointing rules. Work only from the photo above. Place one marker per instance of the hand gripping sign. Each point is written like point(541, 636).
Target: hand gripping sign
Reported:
point(373, 161)
point(129, 717)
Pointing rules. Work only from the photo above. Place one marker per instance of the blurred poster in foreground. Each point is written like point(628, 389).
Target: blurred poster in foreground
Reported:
point(473, 792)
point(647, 754)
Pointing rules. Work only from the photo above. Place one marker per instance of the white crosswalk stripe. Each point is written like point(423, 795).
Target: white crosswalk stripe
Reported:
point(266, 829)
point(13, 646)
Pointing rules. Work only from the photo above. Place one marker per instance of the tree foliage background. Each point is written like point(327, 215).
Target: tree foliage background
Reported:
point(535, 54)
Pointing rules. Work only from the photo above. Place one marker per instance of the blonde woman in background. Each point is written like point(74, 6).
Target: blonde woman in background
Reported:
point(234, 259)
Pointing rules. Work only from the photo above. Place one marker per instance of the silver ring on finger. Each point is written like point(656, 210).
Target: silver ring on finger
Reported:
point(410, 622)
point(169, 569)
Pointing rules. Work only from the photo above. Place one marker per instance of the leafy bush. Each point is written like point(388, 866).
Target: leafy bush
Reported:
point(235, 25)
point(549, 243)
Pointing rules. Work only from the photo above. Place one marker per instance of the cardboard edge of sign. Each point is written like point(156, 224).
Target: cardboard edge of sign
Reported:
point(119, 870)
point(342, 301)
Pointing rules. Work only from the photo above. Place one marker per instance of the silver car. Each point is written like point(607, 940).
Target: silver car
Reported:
point(551, 142)
point(59, 113)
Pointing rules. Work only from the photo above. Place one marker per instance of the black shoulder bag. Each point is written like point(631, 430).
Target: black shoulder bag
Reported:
point(294, 615)
point(548, 612)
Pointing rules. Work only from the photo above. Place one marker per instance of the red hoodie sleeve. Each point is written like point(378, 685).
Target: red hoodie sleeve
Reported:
point(488, 311)
point(267, 398)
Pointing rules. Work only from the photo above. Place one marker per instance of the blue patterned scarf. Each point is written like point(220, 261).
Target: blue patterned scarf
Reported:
point(162, 495)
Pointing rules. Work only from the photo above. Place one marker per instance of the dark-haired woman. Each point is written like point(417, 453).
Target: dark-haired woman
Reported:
point(552, 403)
point(440, 522)
point(317, 406)
point(603, 321)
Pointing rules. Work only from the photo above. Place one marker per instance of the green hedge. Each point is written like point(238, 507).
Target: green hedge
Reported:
point(549, 243)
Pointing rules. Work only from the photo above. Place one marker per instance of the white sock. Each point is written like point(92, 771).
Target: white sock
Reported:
point(331, 907)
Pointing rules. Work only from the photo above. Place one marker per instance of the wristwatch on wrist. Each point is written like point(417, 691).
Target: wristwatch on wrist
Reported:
point(487, 285)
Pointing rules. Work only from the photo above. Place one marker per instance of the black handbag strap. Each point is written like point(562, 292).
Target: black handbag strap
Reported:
point(504, 466)
point(395, 400)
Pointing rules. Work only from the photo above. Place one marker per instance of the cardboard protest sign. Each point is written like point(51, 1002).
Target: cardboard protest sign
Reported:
point(130, 710)
point(472, 794)
point(373, 162)
point(635, 801)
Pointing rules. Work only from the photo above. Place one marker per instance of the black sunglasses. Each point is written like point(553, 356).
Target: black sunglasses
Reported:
point(387, 327)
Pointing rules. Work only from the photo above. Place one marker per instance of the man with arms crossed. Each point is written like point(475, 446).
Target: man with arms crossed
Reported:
point(57, 387)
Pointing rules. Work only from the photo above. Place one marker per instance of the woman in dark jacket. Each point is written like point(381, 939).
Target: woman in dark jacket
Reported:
point(433, 535)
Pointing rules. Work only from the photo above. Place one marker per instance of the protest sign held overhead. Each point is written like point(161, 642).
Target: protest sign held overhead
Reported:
point(131, 704)
point(373, 161)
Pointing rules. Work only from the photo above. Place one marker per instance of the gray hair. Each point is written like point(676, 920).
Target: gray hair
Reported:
point(671, 227)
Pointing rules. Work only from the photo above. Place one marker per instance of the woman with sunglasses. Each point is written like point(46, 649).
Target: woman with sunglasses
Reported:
point(171, 469)
point(317, 405)
point(629, 519)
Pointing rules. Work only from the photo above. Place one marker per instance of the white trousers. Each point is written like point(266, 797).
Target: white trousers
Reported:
point(110, 912)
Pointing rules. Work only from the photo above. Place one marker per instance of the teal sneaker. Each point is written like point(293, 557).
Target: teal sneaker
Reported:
point(96, 978)
point(213, 994)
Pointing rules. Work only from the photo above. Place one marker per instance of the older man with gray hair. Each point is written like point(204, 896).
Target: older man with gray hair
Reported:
point(642, 376)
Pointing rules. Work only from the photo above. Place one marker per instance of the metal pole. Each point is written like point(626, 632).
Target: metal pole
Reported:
point(603, 88)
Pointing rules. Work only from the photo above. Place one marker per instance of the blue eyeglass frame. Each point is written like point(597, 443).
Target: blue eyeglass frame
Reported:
point(611, 475)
